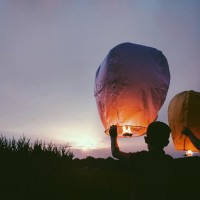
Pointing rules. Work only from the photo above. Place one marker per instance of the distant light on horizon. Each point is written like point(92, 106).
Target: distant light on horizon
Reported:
point(77, 141)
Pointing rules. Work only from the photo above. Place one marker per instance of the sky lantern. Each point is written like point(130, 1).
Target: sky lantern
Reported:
point(131, 85)
point(184, 111)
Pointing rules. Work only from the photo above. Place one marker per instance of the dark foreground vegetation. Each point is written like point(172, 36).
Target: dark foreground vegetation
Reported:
point(46, 171)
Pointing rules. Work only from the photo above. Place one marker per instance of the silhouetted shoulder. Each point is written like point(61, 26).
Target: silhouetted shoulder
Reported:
point(168, 157)
point(149, 158)
point(137, 155)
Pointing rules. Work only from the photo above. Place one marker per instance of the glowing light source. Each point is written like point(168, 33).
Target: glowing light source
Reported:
point(189, 153)
point(84, 143)
point(126, 130)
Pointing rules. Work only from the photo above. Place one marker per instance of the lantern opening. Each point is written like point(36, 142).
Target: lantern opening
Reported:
point(188, 153)
point(129, 131)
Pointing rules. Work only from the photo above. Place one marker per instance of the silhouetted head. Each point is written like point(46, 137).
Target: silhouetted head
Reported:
point(157, 135)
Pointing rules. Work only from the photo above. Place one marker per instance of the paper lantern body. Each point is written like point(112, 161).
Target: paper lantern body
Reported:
point(131, 86)
point(184, 111)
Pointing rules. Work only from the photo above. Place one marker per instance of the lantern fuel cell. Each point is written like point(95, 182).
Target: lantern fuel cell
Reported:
point(131, 85)
point(184, 111)
point(128, 131)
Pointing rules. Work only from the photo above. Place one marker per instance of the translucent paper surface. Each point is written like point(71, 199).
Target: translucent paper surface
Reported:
point(184, 111)
point(131, 86)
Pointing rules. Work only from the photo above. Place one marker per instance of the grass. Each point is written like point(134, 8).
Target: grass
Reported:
point(33, 170)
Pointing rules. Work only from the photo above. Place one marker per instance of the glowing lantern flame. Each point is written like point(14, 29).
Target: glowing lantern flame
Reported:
point(189, 153)
point(126, 130)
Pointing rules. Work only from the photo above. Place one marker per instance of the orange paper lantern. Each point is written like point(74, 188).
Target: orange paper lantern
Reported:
point(130, 87)
point(184, 111)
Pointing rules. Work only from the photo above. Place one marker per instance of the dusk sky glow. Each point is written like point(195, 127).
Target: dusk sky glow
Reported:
point(50, 51)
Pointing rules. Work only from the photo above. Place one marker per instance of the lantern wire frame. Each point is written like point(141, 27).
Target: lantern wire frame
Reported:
point(129, 131)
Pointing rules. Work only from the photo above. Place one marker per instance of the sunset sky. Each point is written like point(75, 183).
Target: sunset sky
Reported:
point(50, 51)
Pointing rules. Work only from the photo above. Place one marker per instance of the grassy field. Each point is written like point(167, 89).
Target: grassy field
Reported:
point(46, 171)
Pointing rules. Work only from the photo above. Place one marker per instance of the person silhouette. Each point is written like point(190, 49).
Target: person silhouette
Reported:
point(150, 169)
point(195, 141)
